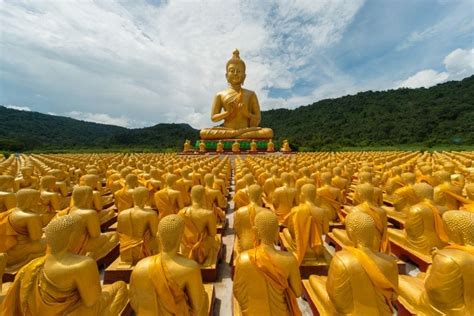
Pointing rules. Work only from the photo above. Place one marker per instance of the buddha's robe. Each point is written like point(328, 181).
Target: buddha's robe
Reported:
point(32, 293)
point(243, 226)
point(197, 245)
point(184, 188)
point(123, 199)
point(215, 201)
point(8, 233)
point(165, 204)
point(359, 284)
point(261, 285)
point(7, 201)
point(428, 179)
point(448, 196)
point(307, 229)
point(241, 198)
point(139, 246)
point(284, 198)
point(404, 197)
point(329, 201)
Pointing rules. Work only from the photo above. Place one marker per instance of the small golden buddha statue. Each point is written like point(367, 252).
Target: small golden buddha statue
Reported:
point(236, 147)
point(219, 181)
point(424, 228)
point(238, 108)
point(284, 197)
point(365, 192)
point(360, 281)
point(50, 200)
point(253, 146)
point(137, 228)
point(27, 180)
point(241, 197)
point(220, 147)
point(468, 204)
point(330, 198)
point(168, 200)
point(244, 220)
point(62, 282)
point(306, 224)
point(202, 146)
point(89, 240)
point(21, 230)
point(367, 177)
point(196, 176)
point(7, 196)
point(184, 185)
point(168, 283)
point(447, 194)
point(448, 288)
point(404, 197)
point(304, 179)
point(270, 146)
point(200, 241)
point(123, 197)
point(187, 146)
point(394, 181)
point(214, 199)
point(3, 286)
point(92, 181)
point(63, 185)
point(267, 281)
point(427, 176)
point(285, 146)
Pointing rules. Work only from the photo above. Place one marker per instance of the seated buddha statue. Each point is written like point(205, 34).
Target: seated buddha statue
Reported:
point(187, 146)
point(393, 182)
point(63, 283)
point(244, 219)
point(21, 230)
point(220, 147)
point(367, 205)
point(7, 196)
point(448, 286)
point(200, 241)
point(123, 197)
point(241, 197)
point(253, 146)
point(90, 241)
point(304, 179)
point(184, 185)
point(50, 200)
point(468, 204)
point(270, 184)
point(92, 180)
point(367, 177)
point(137, 228)
point(404, 197)
point(284, 197)
point(330, 197)
point(196, 176)
point(3, 286)
point(219, 181)
point(168, 283)
point(306, 223)
point(63, 184)
point(238, 108)
point(270, 146)
point(427, 176)
point(447, 194)
point(360, 281)
point(235, 147)
point(267, 281)
point(424, 228)
point(214, 199)
point(27, 180)
point(168, 200)
point(202, 146)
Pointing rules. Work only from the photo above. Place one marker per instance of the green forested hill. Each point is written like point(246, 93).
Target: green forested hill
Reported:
point(439, 116)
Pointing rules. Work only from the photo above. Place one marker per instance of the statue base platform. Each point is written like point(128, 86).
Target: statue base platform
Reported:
point(338, 245)
point(109, 222)
point(211, 295)
point(336, 225)
point(394, 217)
point(127, 310)
point(308, 266)
point(209, 273)
point(106, 260)
point(221, 227)
point(404, 253)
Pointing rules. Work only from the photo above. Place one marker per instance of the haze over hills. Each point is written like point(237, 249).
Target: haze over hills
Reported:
point(441, 115)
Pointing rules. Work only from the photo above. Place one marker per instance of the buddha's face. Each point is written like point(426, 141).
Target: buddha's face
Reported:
point(235, 74)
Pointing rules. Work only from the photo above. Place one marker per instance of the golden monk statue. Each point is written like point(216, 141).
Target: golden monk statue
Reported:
point(447, 194)
point(214, 199)
point(27, 180)
point(360, 281)
point(90, 241)
point(202, 146)
point(270, 146)
point(123, 197)
point(267, 281)
point(284, 197)
point(168, 283)
point(63, 283)
point(93, 181)
point(3, 286)
point(21, 230)
point(241, 197)
point(238, 107)
point(187, 146)
point(367, 205)
point(330, 197)
point(137, 228)
point(200, 240)
point(424, 229)
point(306, 224)
point(244, 220)
point(184, 185)
point(253, 146)
point(168, 200)
point(7, 196)
point(50, 200)
point(368, 177)
point(448, 288)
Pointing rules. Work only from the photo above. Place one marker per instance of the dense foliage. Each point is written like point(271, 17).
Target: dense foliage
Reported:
point(439, 116)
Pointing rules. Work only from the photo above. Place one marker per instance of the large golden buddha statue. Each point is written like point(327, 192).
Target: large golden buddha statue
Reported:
point(63, 283)
point(168, 283)
point(238, 108)
point(448, 288)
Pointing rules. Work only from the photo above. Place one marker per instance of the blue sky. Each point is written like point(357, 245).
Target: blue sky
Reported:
point(138, 63)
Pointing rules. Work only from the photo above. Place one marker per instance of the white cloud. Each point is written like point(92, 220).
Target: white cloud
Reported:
point(18, 107)
point(459, 64)
point(99, 118)
point(139, 63)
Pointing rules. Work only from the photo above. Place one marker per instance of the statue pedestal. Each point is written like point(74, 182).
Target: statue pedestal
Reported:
point(405, 253)
point(338, 245)
point(106, 260)
point(308, 267)
point(209, 273)
point(109, 222)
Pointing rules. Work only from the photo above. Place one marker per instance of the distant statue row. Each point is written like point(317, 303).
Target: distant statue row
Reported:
point(285, 147)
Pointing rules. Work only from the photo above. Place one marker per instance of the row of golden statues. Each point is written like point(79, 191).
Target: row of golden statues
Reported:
point(235, 148)
point(168, 210)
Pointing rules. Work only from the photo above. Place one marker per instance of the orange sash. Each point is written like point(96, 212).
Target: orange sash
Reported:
point(378, 279)
point(7, 232)
point(438, 221)
point(193, 239)
point(327, 197)
point(174, 299)
point(275, 276)
point(163, 203)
